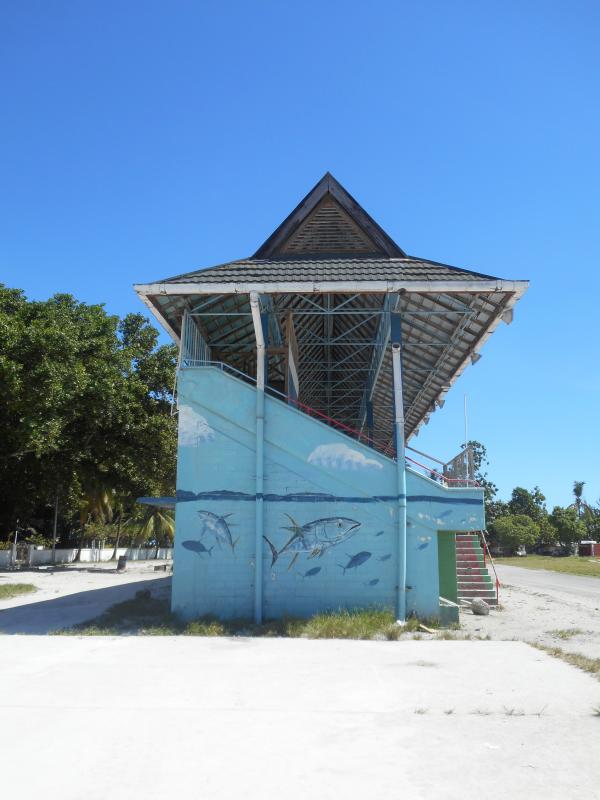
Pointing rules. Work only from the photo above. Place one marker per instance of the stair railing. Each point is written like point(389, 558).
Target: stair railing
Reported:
point(386, 449)
point(486, 552)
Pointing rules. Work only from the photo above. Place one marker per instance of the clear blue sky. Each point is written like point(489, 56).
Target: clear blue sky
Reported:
point(143, 139)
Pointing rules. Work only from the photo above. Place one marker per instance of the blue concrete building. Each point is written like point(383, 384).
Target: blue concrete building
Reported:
point(304, 371)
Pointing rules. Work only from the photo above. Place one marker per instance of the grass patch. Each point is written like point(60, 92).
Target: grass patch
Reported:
point(573, 565)
point(590, 665)
point(146, 615)
point(565, 633)
point(8, 590)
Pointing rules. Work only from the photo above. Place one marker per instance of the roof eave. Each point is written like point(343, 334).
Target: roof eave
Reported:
point(339, 287)
point(512, 300)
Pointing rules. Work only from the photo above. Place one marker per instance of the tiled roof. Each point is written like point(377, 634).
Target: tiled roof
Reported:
point(327, 269)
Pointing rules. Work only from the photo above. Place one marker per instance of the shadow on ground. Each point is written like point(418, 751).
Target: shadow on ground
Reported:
point(53, 614)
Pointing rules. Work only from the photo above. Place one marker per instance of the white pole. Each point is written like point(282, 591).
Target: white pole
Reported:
point(400, 482)
point(260, 433)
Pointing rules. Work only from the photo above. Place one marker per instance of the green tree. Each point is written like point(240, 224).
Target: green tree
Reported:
point(86, 402)
point(495, 509)
point(532, 504)
point(569, 528)
point(578, 493)
point(548, 532)
point(153, 525)
point(480, 462)
point(513, 530)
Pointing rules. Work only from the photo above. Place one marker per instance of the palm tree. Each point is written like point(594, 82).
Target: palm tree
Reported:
point(156, 523)
point(95, 505)
point(579, 501)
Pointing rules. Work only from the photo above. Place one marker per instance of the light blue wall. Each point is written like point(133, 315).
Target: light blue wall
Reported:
point(337, 496)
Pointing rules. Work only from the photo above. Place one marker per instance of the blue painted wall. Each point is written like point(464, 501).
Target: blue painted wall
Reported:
point(330, 512)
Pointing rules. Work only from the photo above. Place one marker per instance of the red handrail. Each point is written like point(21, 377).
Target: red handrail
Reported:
point(486, 549)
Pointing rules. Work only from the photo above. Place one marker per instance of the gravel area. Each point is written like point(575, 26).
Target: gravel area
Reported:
point(544, 607)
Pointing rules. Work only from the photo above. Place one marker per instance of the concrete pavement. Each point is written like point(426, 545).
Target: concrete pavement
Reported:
point(183, 717)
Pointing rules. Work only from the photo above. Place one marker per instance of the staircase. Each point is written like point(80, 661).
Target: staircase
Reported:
point(472, 574)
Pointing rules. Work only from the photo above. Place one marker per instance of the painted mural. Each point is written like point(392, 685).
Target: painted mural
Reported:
point(330, 512)
point(314, 538)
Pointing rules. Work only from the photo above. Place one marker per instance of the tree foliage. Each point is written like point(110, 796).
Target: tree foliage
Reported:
point(569, 528)
point(86, 411)
point(513, 530)
point(480, 462)
point(530, 503)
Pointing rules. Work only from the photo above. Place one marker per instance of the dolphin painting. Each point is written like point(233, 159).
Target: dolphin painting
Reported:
point(315, 537)
point(215, 526)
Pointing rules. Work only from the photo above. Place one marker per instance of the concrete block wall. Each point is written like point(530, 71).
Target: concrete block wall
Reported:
point(330, 512)
point(43, 556)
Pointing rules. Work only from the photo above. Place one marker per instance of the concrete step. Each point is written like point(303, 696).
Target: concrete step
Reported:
point(477, 591)
point(491, 601)
point(482, 584)
point(472, 574)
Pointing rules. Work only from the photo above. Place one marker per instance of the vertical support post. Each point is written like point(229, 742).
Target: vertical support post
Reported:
point(264, 318)
point(369, 406)
point(260, 436)
point(396, 341)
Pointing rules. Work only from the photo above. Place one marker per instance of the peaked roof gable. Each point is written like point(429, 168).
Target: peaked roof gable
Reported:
point(329, 221)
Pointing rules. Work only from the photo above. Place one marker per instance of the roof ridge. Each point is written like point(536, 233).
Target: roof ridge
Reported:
point(354, 223)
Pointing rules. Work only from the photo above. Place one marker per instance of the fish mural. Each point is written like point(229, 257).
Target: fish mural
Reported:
point(314, 571)
point(356, 560)
point(216, 526)
point(445, 514)
point(197, 547)
point(386, 557)
point(374, 582)
point(314, 537)
point(423, 546)
point(379, 533)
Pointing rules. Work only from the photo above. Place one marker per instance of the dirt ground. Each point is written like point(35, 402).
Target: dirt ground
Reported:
point(543, 607)
point(69, 595)
point(537, 606)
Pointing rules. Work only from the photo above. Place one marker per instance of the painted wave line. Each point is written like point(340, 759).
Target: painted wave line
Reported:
point(316, 497)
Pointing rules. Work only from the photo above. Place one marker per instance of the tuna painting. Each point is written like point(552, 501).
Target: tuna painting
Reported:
point(197, 547)
point(356, 560)
point(314, 538)
point(215, 526)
